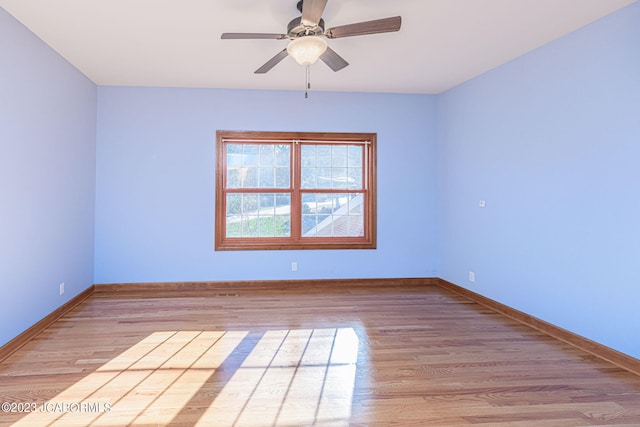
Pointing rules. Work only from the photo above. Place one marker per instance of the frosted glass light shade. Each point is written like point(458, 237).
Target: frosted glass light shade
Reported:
point(306, 50)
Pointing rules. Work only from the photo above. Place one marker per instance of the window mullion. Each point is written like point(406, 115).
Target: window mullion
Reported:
point(296, 197)
point(365, 167)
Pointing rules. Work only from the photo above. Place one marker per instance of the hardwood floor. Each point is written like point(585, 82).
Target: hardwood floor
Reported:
point(412, 355)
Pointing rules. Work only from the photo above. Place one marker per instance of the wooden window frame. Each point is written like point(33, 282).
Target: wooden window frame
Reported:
point(296, 241)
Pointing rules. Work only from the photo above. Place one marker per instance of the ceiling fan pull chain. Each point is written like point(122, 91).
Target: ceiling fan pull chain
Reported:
point(308, 82)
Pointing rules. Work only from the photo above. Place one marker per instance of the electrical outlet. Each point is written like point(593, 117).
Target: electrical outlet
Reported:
point(294, 266)
point(472, 276)
point(482, 204)
point(61, 288)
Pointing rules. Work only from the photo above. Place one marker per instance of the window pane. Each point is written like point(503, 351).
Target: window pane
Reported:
point(283, 177)
point(324, 178)
point(309, 214)
point(308, 154)
point(258, 215)
point(332, 215)
point(339, 178)
point(233, 177)
point(282, 226)
point(234, 165)
point(283, 203)
point(234, 204)
point(234, 154)
point(267, 177)
point(234, 215)
point(283, 155)
point(356, 225)
point(339, 156)
point(250, 226)
point(249, 204)
point(309, 225)
point(258, 166)
point(309, 178)
point(267, 204)
point(234, 229)
point(267, 155)
point(354, 180)
point(267, 226)
point(323, 157)
point(309, 203)
point(355, 156)
point(250, 155)
point(242, 177)
point(249, 177)
point(331, 166)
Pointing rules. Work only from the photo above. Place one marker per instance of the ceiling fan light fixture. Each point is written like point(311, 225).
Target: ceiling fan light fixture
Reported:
point(306, 50)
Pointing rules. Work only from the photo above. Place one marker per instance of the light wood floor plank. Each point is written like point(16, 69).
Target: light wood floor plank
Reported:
point(378, 355)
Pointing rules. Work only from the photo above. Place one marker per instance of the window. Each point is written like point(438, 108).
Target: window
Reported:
point(285, 190)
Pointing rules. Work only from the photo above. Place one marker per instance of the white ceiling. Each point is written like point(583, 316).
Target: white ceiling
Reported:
point(176, 43)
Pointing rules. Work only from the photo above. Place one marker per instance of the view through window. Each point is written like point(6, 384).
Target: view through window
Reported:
point(283, 190)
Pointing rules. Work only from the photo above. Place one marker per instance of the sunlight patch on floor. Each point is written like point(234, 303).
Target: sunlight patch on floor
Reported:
point(284, 377)
point(294, 377)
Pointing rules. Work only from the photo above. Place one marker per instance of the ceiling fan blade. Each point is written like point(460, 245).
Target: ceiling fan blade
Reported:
point(333, 60)
point(312, 11)
point(385, 25)
point(272, 62)
point(244, 36)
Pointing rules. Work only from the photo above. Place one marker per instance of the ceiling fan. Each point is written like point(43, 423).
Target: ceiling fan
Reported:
point(307, 34)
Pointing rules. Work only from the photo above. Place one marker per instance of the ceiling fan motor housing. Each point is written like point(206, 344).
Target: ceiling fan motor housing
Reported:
point(297, 29)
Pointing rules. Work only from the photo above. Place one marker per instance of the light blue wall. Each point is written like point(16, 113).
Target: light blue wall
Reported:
point(47, 179)
point(156, 182)
point(551, 141)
